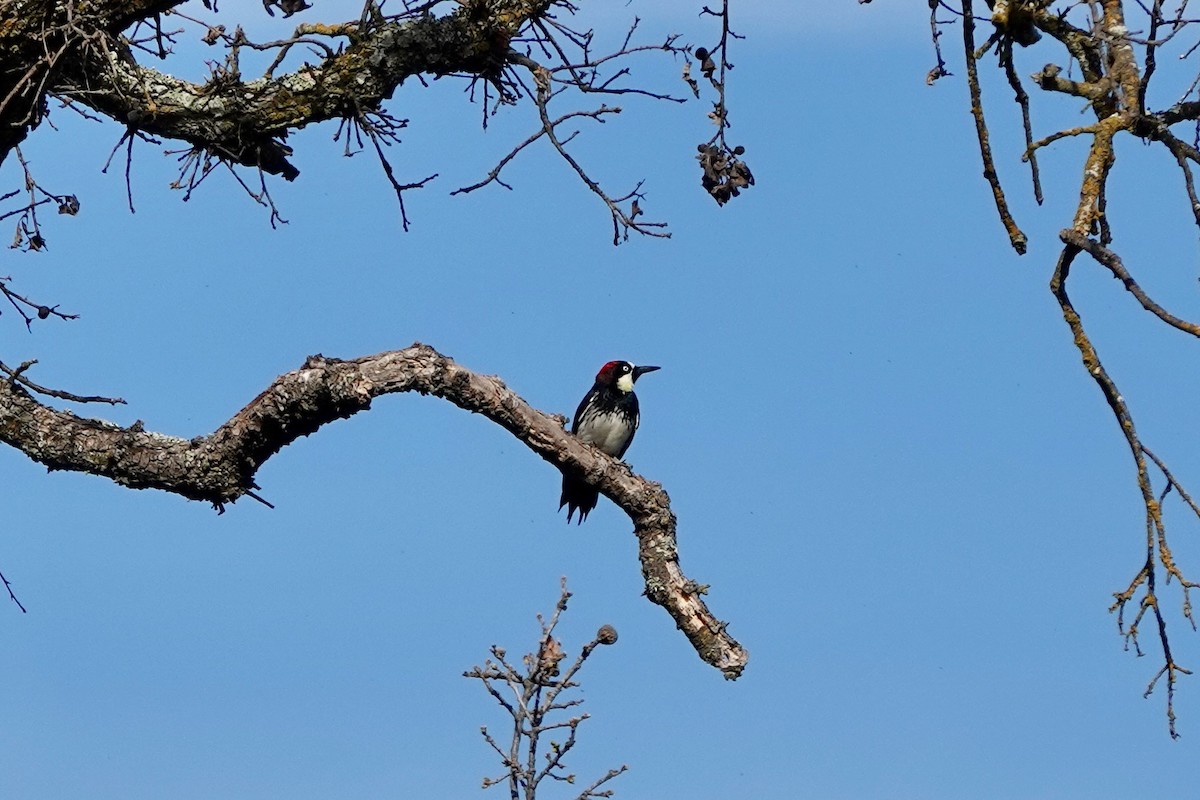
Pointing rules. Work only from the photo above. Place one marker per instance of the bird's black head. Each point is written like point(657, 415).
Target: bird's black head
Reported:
point(621, 375)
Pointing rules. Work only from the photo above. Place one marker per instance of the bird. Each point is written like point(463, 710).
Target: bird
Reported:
point(607, 418)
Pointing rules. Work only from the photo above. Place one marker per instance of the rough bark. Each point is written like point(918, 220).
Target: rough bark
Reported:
point(220, 467)
point(1115, 47)
point(76, 51)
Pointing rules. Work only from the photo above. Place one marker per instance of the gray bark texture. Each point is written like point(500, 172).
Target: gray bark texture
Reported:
point(219, 468)
point(77, 51)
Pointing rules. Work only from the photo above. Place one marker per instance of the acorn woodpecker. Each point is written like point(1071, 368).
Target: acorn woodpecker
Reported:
point(606, 419)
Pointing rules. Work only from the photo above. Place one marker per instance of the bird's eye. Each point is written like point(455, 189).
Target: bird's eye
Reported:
point(625, 368)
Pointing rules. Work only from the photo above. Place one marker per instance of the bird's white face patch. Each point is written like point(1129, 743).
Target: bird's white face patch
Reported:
point(625, 382)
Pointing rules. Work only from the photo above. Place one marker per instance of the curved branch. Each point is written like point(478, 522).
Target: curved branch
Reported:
point(1113, 262)
point(220, 468)
point(1114, 84)
point(1156, 530)
point(245, 121)
point(80, 55)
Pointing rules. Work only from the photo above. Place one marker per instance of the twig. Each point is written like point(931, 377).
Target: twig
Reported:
point(1155, 527)
point(536, 697)
point(17, 376)
point(623, 222)
point(1015, 236)
point(494, 175)
point(1113, 263)
point(939, 69)
point(11, 595)
point(21, 303)
point(1022, 99)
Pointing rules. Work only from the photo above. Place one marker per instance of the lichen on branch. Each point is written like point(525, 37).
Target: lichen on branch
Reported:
point(1107, 60)
point(220, 467)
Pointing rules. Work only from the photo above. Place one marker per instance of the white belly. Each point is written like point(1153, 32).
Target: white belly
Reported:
point(607, 431)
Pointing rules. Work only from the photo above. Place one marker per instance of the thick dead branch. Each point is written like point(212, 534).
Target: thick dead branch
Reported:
point(246, 121)
point(37, 37)
point(1050, 79)
point(219, 468)
point(87, 55)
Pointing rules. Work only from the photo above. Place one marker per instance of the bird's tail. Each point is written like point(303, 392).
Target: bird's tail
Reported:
point(578, 496)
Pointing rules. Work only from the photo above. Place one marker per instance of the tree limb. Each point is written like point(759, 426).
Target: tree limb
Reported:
point(245, 121)
point(1146, 578)
point(88, 55)
point(1104, 43)
point(37, 37)
point(1016, 236)
point(220, 468)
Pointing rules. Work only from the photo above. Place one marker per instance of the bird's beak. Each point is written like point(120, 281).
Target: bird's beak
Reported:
point(640, 371)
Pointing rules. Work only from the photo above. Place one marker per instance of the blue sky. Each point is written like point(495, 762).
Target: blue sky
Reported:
point(911, 502)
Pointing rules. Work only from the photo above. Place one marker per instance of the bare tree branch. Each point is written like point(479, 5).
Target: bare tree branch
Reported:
point(1113, 262)
point(219, 468)
point(87, 56)
point(18, 376)
point(246, 121)
point(536, 690)
point(1018, 239)
point(1102, 48)
point(724, 175)
point(11, 595)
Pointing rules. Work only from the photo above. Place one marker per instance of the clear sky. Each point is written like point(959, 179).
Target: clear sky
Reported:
point(910, 501)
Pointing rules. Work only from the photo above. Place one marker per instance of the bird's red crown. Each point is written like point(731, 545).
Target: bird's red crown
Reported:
point(608, 373)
